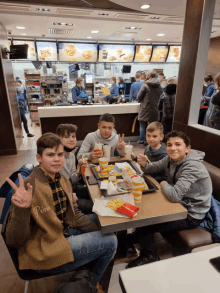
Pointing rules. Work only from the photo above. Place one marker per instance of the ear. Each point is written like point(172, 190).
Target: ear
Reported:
point(188, 149)
point(38, 157)
point(162, 137)
point(98, 126)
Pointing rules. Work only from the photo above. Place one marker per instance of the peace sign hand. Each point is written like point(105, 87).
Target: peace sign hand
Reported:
point(121, 143)
point(22, 197)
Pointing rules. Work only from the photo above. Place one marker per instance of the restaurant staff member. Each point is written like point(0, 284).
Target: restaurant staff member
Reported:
point(135, 87)
point(114, 91)
point(78, 91)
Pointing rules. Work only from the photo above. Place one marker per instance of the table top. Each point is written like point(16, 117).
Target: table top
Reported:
point(155, 208)
point(187, 273)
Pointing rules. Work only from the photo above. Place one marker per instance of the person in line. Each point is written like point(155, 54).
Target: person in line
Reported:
point(156, 149)
point(143, 76)
point(166, 104)
point(105, 134)
point(22, 107)
point(209, 83)
point(161, 77)
point(164, 83)
point(78, 91)
point(71, 170)
point(135, 87)
point(216, 113)
point(114, 91)
point(148, 97)
point(45, 224)
point(188, 183)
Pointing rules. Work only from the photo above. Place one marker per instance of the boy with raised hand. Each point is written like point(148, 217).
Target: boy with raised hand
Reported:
point(45, 224)
point(188, 183)
point(106, 135)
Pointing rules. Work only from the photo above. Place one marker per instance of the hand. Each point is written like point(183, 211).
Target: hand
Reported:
point(95, 154)
point(162, 182)
point(22, 197)
point(142, 160)
point(75, 198)
point(121, 143)
point(133, 156)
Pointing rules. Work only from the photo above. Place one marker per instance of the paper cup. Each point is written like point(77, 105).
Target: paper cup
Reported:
point(107, 151)
point(138, 182)
point(103, 161)
point(103, 166)
point(137, 199)
point(128, 151)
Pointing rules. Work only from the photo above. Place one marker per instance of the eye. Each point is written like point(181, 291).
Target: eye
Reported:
point(51, 155)
point(61, 155)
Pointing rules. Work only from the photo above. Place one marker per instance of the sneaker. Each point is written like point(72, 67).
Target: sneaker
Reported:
point(30, 135)
point(139, 142)
point(142, 260)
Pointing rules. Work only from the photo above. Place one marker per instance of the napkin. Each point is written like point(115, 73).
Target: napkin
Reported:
point(104, 185)
point(111, 188)
point(98, 146)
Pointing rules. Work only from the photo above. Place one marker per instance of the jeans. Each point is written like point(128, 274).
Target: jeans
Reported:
point(24, 119)
point(87, 247)
point(143, 126)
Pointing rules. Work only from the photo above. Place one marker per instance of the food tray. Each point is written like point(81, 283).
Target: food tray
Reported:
point(112, 163)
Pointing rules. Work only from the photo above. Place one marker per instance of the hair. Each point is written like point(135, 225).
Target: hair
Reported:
point(107, 118)
point(138, 75)
point(113, 79)
point(217, 79)
point(48, 140)
point(208, 77)
point(179, 134)
point(172, 80)
point(161, 73)
point(66, 129)
point(143, 74)
point(151, 73)
point(78, 80)
point(155, 126)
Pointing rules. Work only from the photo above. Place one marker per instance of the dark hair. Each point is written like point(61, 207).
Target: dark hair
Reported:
point(179, 134)
point(155, 126)
point(208, 77)
point(217, 79)
point(66, 129)
point(48, 140)
point(107, 118)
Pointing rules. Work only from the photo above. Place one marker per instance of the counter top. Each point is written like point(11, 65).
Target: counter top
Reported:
point(88, 110)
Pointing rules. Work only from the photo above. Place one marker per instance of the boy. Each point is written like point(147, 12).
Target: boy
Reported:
point(106, 135)
point(67, 134)
point(156, 149)
point(188, 183)
point(46, 226)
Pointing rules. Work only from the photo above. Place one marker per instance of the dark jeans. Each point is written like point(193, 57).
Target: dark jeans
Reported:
point(167, 125)
point(143, 126)
point(84, 202)
point(23, 119)
point(146, 234)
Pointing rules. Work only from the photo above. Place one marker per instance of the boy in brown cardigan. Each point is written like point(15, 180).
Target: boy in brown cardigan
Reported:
point(45, 224)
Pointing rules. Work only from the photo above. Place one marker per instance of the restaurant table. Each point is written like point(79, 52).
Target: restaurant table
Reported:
point(192, 273)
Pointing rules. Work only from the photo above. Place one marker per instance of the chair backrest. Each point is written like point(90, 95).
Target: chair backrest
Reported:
point(214, 173)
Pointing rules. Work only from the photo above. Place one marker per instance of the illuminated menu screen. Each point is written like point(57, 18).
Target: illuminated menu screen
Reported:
point(31, 48)
point(143, 53)
point(116, 53)
point(159, 54)
point(73, 52)
point(174, 54)
point(46, 51)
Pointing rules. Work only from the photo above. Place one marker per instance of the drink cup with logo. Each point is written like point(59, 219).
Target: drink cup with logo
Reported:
point(107, 151)
point(128, 151)
point(103, 163)
point(137, 188)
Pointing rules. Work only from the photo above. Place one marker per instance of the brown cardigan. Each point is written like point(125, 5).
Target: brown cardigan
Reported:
point(37, 232)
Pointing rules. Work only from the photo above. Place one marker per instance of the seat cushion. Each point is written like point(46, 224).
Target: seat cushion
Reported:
point(195, 237)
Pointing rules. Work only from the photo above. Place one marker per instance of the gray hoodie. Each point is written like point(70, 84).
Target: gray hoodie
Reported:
point(189, 182)
point(93, 137)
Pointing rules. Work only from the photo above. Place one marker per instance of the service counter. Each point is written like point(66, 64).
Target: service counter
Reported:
point(87, 117)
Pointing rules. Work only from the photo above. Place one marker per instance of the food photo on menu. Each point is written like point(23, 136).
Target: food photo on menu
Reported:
point(47, 51)
point(143, 53)
point(159, 54)
point(174, 54)
point(78, 52)
point(31, 48)
point(116, 53)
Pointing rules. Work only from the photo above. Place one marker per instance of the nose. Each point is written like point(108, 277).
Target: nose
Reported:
point(56, 158)
point(173, 147)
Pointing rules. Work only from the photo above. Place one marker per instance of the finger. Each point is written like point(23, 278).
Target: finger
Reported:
point(141, 156)
point(30, 188)
point(11, 183)
point(119, 138)
point(21, 180)
point(123, 136)
point(16, 200)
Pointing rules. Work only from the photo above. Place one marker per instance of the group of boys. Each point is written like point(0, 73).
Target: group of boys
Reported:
point(49, 228)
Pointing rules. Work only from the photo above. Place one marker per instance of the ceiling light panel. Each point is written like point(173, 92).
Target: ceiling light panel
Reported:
point(63, 23)
point(60, 31)
point(130, 16)
point(126, 35)
point(132, 28)
point(20, 27)
point(74, 12)
point(43, 9)
point(145, 6)
point(15, 7)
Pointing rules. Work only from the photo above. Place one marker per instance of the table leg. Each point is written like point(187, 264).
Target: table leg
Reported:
point(122, 244)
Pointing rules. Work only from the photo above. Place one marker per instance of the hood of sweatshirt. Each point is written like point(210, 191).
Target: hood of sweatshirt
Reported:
point(170, 89)
point(113, 135)
point(161, 150)
point(193, 156)
point(153, 82)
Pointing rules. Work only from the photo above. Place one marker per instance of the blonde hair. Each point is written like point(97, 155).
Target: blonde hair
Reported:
point(217, 80)
point(172, 80)
point(113, 79)
point(78, 80)
point(155, 126)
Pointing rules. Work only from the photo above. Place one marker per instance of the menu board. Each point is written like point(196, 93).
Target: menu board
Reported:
point(143, 53)
point(46, 51)
point(116, 53)
point(159, 54)
point(31, 48)
point(76, 52)
point(174, 54)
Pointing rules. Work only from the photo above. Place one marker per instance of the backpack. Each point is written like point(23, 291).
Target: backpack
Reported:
point(6, 190)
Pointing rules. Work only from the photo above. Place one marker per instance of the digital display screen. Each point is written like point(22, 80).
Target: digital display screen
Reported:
point(143, 53)
point(159, 54)
point(31, 48)
point(174, 54)
point(116, 53)
point(46, 51)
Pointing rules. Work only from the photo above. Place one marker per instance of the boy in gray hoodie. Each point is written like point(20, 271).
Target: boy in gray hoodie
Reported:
point(106, 135)
point(188, 183)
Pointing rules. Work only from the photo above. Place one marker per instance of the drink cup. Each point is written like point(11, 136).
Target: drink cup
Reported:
point(103, 162)
point(107, 151)
point(104, 54)
point(137, 188)
point(128, 151)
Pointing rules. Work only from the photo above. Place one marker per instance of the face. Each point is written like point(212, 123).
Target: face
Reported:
point(69, 141)
point(51, 160)
point(177, 149)
point(154, 138)
point(106, 128)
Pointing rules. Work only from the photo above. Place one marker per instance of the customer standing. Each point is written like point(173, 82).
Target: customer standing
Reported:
point(148, 97)
point(135, 87)
point(78, 90)
point(209, 83)
point(114, 91)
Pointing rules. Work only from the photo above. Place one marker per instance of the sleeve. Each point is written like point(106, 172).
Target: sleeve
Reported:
point(156, 167)
point(131, 92)
point(216, 100)
point(115, 91)
point(86, 148)
point(74, 94)
point(189, 175)
point(73, 177)
point(160, 104)
point(141, 93)
point(210, 90)
point(83, 222)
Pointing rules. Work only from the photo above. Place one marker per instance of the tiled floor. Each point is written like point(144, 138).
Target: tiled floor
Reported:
point(9, 280)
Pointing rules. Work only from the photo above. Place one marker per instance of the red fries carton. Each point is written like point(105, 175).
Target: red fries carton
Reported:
point(128, 209)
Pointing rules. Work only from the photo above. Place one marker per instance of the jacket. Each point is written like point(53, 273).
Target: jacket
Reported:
point(148, 97)
point(212, 117)
point(135, 87)
point(37, 232)
point(78, 92)
point(167, 101)
point(21, 101)
point(188, 182)
point(209, 92)
point(69, 168)
point(114, 90)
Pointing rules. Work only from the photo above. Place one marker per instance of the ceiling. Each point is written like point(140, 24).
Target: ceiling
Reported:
point(111, 27)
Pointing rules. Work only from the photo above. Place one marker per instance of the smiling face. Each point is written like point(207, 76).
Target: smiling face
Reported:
point(51, 160)
point(154, 138)
point(177, 149)
point(106, 128)
point(69, 141)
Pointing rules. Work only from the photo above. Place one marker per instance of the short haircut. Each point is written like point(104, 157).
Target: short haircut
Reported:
point(143, 74)
point(151, 73)
point(217, 79)
point(172, 80)
point(155, 126)
point(114, 79)
point(78, 80)
point(179, 134)
point(208, 77)
point(66, 129)
point(48, 140)
point(107, 118)
point(161, 73)
point(138, 75)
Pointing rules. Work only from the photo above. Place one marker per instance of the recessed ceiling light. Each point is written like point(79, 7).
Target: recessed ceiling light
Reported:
point(160, 35)
point(23, 34)
point(148, 39)
point(132, 28)
point(63, 23)
point(145, 6)
point(43, 9)
point(94, 32)
point(104, 14)
point(154, 17)
point(20, 27)
point(89, 37)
